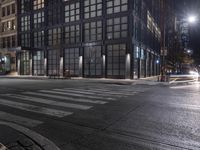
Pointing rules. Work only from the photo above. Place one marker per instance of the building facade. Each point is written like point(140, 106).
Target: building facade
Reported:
point(8, 35)
point(89, 38)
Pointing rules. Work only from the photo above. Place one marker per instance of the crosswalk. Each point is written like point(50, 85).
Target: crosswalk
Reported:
point(58, 103)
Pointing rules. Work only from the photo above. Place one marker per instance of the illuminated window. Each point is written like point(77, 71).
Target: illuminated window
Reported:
point(38, 19)
point(25, 23)
point(38, 4)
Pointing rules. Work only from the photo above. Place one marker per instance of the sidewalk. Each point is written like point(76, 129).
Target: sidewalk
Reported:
point(146, 81)
point(14, 140)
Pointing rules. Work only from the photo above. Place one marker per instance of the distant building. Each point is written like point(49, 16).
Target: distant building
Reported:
point(89, 38)
point(8, 35)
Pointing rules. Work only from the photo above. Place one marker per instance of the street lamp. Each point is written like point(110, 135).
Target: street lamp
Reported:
point(192, 19)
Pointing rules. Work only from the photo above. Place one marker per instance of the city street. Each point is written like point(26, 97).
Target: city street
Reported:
point(99, 115)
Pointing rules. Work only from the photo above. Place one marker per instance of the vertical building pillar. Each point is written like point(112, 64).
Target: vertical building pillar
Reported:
point(128, 66)
point(61, 66)
point(31, 65)
point(80, 66)
point(104, 65)
point(45, 66)
point(18, 66)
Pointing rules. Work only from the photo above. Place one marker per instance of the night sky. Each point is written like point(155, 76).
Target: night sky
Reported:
point(184, 9)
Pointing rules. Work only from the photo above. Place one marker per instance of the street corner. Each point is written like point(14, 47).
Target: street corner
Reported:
point(2, 147)
point(14, 137)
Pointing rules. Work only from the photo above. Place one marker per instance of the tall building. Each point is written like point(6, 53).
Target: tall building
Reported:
point(89, 38)
point(8, 35)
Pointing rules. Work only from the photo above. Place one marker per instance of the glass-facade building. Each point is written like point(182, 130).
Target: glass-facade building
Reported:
point(89, 38)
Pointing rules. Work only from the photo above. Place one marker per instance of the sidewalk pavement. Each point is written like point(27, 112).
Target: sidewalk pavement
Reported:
point(146, 81)
point(11, 139)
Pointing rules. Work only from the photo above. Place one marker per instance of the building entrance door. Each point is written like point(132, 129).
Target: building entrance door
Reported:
point(25, 63)
point(92, 61)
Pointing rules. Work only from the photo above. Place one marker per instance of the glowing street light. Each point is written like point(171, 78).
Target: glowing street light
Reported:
point(192, 19)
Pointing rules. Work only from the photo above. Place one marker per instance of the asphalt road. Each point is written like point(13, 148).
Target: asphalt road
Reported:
point(98, 115)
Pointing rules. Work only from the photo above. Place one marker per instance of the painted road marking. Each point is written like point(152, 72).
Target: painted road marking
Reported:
point(34, 108)
point(71, 93)
point(86, 93)
point(19, 120)
point(48, 102)
point(103, 91)
point(67, 98)
point(91, 92)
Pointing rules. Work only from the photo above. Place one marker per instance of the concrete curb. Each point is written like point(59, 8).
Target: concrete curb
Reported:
point(42, 141)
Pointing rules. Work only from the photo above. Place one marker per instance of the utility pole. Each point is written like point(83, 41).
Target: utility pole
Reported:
point(163, 38)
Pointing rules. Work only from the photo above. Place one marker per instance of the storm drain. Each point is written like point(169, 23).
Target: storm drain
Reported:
point(2, 147)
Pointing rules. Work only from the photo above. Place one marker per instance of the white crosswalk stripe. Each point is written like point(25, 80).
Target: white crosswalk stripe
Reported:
point(104, 91)
point(59, 100)
point(64, 98)
point(34, 108)
point(19, 119)
point(81, 91)
point(49, 102)
point(63, 92)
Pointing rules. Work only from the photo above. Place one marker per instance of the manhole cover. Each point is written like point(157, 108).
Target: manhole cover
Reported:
point(2, 147)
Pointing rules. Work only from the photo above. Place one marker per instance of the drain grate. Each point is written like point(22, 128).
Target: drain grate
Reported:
point(2, 147)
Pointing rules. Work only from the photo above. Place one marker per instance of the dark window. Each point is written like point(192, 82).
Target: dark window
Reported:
point(25, 6)
point(8, 42)
point(54, 15)
point(13, 41)
point(93, 31)
point(38, 39)
point(4, 43)
point(54, 36)
point(53, 62)
point(72, 34)
point(116, 60)
point(92, 8)
point(72, 12)
point(92, 61)
point(8, 10)
point(4, 26)
point(117, 28)
point(3, 11)
point(72, 61)
point(116, 6)
point(13, 8)
point(25, 39)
